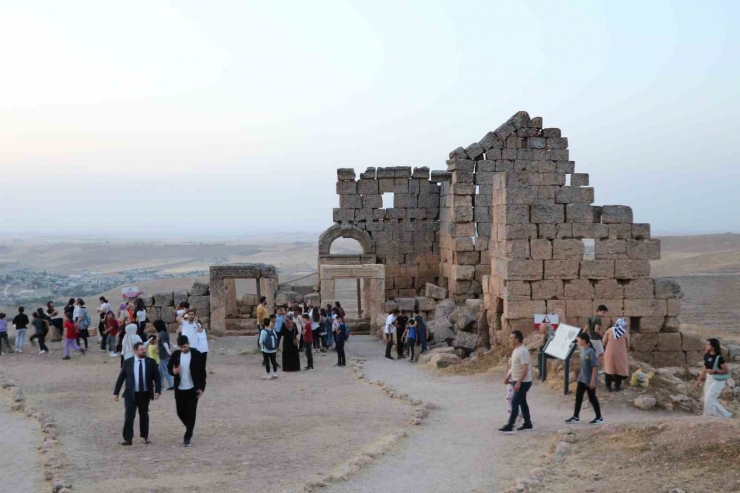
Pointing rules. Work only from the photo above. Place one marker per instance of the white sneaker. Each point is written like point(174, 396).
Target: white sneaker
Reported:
point(266, 377)
point(274, 375)
point(112, 355)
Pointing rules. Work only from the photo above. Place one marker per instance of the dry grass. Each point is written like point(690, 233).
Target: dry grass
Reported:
point(729, 334)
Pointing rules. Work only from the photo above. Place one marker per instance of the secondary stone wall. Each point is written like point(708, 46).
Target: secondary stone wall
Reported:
point(162, 305)
point(404, 238)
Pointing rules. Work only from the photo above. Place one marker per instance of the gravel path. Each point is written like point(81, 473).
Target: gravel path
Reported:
point(19, 467)
point(458, 448)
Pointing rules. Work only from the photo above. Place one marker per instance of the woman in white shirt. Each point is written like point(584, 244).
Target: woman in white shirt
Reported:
point(140, 314)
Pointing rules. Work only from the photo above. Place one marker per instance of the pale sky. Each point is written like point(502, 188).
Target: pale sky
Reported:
point(139, 117)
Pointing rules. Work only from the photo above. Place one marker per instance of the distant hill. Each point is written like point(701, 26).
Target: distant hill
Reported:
point(702, 254)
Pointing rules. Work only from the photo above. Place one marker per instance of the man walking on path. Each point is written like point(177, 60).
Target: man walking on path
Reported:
point(189, 369)
point(588, 379)
point(521, 374)
point(422, 328)
point(390, 329)
point(143, 384)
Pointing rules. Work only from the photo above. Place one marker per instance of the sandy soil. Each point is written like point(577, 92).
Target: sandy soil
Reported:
point(251, 435)
point(18, 435)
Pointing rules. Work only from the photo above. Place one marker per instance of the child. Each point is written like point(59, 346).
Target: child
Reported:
point(588, 378)
point(340, 336)
point(509, 387)
point(152, 351)
point(4, 333)
point(268, 344)
point(70, 336)
point(410, 336)
point(41, 330)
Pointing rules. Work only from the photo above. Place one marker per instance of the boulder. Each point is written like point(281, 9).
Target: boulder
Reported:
point(645, 402)
point(390, 305)
point(444, 309)
point(168, 314)
point(474, 305)
point(461, 353)
point(179, 296)
point(286, 298)
point(463, 319)
point(435, 292)
point(425, 304)
point(164, 299)
point(465, 341)
point(200, 303)
point(314, 299)
point(667, 289)
point(406, 304)
point(148, 300)
point(199, 288)
point(444, 360)
point(441, 329)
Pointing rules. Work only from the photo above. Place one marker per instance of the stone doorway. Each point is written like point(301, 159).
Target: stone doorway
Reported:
point(370, 280)
point(233, 297)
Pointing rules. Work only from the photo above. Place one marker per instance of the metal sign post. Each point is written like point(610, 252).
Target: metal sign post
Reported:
point(566, 369)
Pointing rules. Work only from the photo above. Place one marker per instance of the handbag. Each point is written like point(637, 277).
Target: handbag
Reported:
point(720, 377)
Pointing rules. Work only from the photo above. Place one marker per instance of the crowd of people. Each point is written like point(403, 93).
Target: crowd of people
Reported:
point(405, 333)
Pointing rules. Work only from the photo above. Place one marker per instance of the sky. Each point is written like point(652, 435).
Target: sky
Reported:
point(154, 119)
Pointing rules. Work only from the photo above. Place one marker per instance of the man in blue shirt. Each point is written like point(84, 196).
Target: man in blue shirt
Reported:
point(422, 328)
point(340, 337)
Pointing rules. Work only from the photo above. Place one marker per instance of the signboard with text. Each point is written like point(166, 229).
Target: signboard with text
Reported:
point(130, 292)
point(560, 345)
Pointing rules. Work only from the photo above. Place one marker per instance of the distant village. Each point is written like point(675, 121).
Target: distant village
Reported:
point(35, 287)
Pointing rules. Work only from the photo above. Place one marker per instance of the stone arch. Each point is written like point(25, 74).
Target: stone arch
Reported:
point(337, 231)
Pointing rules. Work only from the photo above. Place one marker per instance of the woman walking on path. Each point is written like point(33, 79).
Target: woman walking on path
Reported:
point(21, 325)
point(716, 372)
point(103, 310)
point(127, 344)
point(616, 364)
point(70, 337)
point(141, 318)
point(82, 319)
point(56, 321)
point(268, 344)
point(291, 356)
point(329, 329)
point(588, 378)
point(316, 327)
point(165, 351)
point(110, 333)
point(42, 328)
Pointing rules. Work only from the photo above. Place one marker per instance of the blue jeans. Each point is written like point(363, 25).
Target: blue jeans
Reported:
point(423, 336)
point(163, 362)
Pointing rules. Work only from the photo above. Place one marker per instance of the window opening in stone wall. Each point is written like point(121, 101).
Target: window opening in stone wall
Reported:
point(387, 200)
point(348, 292)
point(589, 247)
point(567, 180)
point(345, 246)
point(634, 324)
point(477, 189)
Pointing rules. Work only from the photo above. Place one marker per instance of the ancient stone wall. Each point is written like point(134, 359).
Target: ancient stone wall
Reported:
point(404, 238)
point(161, 306)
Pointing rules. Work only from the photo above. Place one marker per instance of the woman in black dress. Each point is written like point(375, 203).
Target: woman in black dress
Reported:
point(291, 358)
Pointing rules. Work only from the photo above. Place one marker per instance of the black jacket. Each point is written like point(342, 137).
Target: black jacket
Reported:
point(197, 369)
point(152, 377)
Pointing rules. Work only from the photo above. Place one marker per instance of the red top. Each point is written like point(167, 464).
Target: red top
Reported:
point(307, 333)
point(111, 327)
point(70, 331)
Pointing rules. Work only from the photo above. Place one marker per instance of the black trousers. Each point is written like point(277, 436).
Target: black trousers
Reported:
point(270, 357)
point(4, 337)
point(389, 346)
point(84, 334)
point(399, 342)
point(104, 336)
point(520, 400)
point(582, 389)
point(341, 358)
point(316, 338)
point(309, 355)
point(187, 405)
point(617, 379)
point(140, 402)
point(410, 347)
point(42, 341)
point(205, 358)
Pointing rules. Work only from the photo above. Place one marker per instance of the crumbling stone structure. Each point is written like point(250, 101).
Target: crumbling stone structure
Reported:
point(511, 221)
point(161, 306)
point(235, 315)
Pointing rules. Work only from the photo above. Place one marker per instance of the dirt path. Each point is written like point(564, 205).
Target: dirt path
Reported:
point(19, 467)
point(458, 448)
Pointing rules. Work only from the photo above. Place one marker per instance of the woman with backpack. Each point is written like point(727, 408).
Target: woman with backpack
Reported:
point(716, 372)
point(82, 319)
point(268, 344)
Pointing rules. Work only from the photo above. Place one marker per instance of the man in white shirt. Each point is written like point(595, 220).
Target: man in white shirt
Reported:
point(521, 374)
point(189, 369)
point(143, 384)
point(390, 329)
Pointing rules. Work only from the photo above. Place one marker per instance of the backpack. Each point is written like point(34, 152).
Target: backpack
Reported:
point(270, 343)
point(346, 332)
point(85, 319)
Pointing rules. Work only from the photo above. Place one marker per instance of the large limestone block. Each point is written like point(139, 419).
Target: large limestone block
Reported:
point(669, 342)
point(645, 308)
point(608, 289)
point(463, 272)
point(631, 269)
point(515, 290)
point(406, 304)
point(556, 307)
point(615, 306)
point(674, 308)
point(168, 314)
point(465, 341)
point(561, 269)
point(641, 231)
point(574, 195)
point(369, 201)
point(463, 319)
point(519, 270)
point(347, 187)
point(616, 214)
point(547, 289)
point(179, 296)
point(639, 289)
point(251, 299)
point(200, 302)
point(692, 342)
point(511, 214)
point(610, 249)
point(153, 313)
point(444, 309)
point(643, 249)
point(620, 231)
point(351, 202)
point(540, 249)
point(651, 325)
point(579, 213)
point(694, 358)
point(425, 304)
point(523, 309)
point(567, 249)
point(667, 359)
point(516, 231)
point(597, 269)
point(513, 249)
point(667, 289)
point(550, 214)
point(579, 289)
point(367, 187)
point(199, 288)
point(164, 299)
point(435, 292)
point(314, 299)
point(578, 308)
point(644, 343)
point(441, 329)
point(344, 174)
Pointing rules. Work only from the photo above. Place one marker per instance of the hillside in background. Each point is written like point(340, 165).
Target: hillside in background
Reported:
point(704, 254)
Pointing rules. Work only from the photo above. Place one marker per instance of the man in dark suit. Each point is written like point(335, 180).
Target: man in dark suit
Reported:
point(188, 366)
point(143, 384)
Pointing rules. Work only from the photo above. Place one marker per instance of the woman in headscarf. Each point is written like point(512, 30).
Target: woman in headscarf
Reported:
point(291, 358)
point(129, 339)
point(616, 365)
